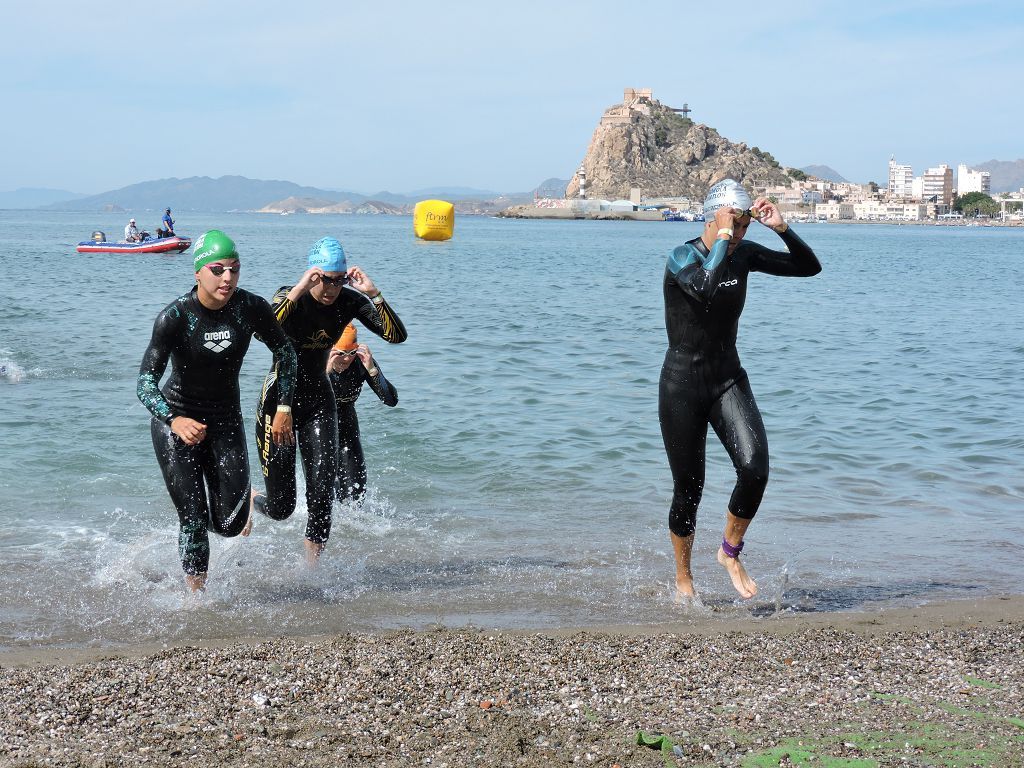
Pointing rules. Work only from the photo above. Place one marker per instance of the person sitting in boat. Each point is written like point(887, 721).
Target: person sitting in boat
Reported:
point(167, 230)
point(131, 233)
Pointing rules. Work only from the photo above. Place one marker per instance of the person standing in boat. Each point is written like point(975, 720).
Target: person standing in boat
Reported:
point(167, 230)
point(197, 427)
point(348, 366)
point(313, 314)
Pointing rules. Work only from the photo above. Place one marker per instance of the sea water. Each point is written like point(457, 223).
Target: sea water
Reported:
point(521, 481)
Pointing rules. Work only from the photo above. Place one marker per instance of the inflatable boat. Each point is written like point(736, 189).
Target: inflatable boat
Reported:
point(99, 244)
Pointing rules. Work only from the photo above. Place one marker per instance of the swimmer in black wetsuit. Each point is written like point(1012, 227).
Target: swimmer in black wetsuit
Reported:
point(197, 418)
point(313, 314)
point(702, 381)
point(349, 365)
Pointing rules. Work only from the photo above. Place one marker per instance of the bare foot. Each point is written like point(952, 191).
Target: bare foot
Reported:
point(313, 550)
point(740, 580)
point(248, 523)
point(196, 583)
point(684, 589)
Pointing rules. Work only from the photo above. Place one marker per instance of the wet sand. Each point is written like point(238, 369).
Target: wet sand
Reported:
point(936, 685)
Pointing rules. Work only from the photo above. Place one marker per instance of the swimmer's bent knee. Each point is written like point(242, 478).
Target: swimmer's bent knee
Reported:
point(682, 521)
point(751, 481)
point(264, 507)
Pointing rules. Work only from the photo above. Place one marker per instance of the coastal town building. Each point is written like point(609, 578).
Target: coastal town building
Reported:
point(901, 179)
point(1011, 205)
point(937, 183)
point(834, 211)
point(880, 210)
point(852, 193)
point(968, 180)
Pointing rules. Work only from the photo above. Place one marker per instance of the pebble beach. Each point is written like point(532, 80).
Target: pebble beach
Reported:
point(930, 686)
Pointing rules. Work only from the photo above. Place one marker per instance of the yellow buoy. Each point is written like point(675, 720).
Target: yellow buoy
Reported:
point(433, 220)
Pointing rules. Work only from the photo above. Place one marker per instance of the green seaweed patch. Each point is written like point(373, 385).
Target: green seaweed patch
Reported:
point(803, 757)
point(983, 683)
point(954, 709)
point(919, 744)
point(894, 697)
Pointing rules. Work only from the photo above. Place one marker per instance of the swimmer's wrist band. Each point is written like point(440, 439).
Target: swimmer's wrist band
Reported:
point(378, 299)
point(724, 231)
point(284, 409)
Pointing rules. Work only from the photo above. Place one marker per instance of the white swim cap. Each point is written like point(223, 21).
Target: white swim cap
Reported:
point(725, 194)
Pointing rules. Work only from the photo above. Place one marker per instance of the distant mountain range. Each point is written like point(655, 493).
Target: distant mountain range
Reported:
point(238, 193)
point(199, 193)
point(1007, 175)
point(824, 173)
point(35, 197)
point(234, 193)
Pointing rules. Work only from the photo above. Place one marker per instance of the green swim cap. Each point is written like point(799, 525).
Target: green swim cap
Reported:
point(213, 246)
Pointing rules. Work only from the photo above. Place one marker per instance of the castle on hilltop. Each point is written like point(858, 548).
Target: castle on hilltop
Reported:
point(635, 102)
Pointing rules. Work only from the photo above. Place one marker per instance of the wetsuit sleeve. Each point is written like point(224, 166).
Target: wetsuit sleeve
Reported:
point(281, 304)
point(383, 388)
point(154, 363)
point(382, 320)
point(269, 331)
point(696, 274)
point(800, 261)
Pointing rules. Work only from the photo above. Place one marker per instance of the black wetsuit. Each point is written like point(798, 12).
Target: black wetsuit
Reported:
point(206, 348)
point(350, 482)
point(702, 381)
point(312, 328)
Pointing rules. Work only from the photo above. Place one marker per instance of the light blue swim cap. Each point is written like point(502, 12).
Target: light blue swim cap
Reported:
point(328, 254)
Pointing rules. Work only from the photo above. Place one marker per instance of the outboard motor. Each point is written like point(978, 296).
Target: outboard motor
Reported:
point(99, 237)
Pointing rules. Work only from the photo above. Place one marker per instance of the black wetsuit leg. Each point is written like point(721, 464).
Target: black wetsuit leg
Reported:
point(208, 484)
point(278, 465)
point(695, 392)
point(351, 477)
point(318, 444)
point(737, 422)
point(683, 413)
point(316, 431)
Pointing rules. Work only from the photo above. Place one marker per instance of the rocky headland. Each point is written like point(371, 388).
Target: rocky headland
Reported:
point(641, 143)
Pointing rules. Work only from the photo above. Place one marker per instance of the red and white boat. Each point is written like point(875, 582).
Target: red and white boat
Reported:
point(99, 244)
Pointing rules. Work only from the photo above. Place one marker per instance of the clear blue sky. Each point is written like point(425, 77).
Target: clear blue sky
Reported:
point(402, 95)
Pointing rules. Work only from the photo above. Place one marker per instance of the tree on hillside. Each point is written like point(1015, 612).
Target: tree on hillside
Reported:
point(976, 204)
point(796, 174)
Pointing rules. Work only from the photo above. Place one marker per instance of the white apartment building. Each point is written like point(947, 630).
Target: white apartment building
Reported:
point(972, 181)
point(834, 211)
point(938, 183)
point(784, 195)
point(852, 193)
point(876, 210)
point(901, 179)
